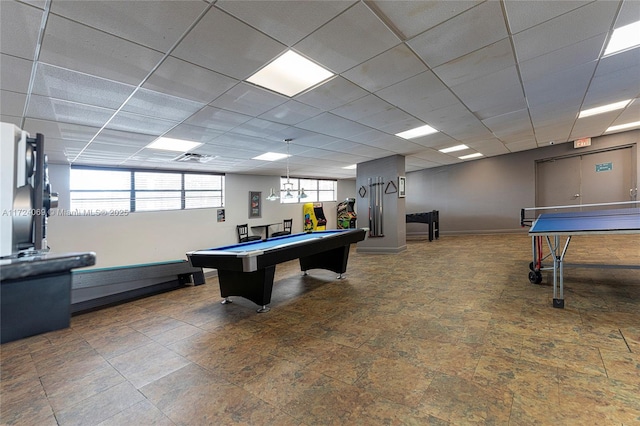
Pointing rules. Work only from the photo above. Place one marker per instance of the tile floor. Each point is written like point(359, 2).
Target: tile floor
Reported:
point(449, 332)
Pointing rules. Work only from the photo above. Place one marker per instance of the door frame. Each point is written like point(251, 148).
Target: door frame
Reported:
point(634, 155)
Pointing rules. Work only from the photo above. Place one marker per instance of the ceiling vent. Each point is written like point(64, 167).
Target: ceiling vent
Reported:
point(191, 157)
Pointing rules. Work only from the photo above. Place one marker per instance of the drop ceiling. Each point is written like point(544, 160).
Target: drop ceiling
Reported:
point(103, 79)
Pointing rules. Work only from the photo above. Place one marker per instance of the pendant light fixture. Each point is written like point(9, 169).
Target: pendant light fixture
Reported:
point(288, 186)
point(272, 196)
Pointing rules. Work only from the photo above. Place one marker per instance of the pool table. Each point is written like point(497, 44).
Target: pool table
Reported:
point(247, 269)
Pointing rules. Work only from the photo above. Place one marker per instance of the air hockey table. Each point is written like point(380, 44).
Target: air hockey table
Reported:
point(555, 225)
point(248, 269)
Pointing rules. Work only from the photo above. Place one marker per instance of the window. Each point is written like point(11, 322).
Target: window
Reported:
point(315, 189)
point(95, 189)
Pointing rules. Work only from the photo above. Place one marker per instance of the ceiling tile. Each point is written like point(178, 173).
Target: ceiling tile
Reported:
point(569, 84)
point(573, 27)
point(12, 103)
point(103, 52)
point(526, 14)
point(489, 147)
point(259, 128)
point(61, 83)
point(179, 78)
point(418, 94)
point(555, 133)
point(286, 21)
point(615, 79)
point(364, 107)
point(291, 112)
point(353, 148)
point(568, 57)
point(631, 114)
point(248, 99)
point(594, 125)
point(108, 137)
point(448, 117)
point(332, 94)
point(15, 73)
point(192, 133)
point(217, 119)
point(613, 87)
point(392, 121)
point(386, 141)
point(136, 123)
point(522, 145)
point(159, 105)
point(548, 115)
point(333, 125)
point(16, 121)
point(60, 130)
point(477, 27)
point(514, 122)
point(70, 45)
point(44, 108)
point(155, 24)
point(437, 157)
point(218, 35)
point(348, 40)
point(413, 17)
point(305, 138)
point(489, 88)
point(18, 35)
point(390, 67)
point(469, 131)
point(109, 151)
point(629, 12)
point(482, 62)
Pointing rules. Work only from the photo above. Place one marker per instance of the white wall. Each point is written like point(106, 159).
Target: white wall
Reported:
point(144, 237)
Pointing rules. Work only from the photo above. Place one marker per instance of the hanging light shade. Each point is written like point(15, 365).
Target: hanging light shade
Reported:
point(272, 196)
point(302, 194)
point(288, 187)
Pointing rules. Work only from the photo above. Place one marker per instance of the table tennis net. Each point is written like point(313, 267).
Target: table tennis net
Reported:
point(580, 212)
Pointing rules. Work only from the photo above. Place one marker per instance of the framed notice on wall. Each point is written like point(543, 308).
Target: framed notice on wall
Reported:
point(255, 204)
point(402, 186)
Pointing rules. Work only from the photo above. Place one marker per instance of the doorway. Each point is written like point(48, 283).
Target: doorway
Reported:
point(598, 177)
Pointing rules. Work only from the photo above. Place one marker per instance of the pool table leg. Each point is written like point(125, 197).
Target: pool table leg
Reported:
point(255, 286)
point(333, 260)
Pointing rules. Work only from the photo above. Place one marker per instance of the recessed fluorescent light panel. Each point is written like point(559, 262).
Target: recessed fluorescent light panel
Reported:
point(604, 108)
point(170, 144)
point(623, 126)
point(624, 38)
point(467, 157)
point(351, 167)
point(453, 148)
point(271, 156)
point(417, 132)
point(290, 74)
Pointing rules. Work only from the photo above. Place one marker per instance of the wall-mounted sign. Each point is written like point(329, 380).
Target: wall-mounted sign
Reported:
point(581, 143)
point(604, 167)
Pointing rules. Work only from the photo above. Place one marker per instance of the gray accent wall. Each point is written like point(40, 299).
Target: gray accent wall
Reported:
point(486, 195)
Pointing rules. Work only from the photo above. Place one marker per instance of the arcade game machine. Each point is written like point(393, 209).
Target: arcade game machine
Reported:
point(314, 218)
point(346, 214)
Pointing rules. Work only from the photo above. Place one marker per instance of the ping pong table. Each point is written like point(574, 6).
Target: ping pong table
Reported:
point(554, 225)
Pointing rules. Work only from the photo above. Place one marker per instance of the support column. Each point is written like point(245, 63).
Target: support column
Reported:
point(390, 213)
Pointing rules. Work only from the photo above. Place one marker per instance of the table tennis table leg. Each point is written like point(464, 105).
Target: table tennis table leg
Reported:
point(558, 269)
